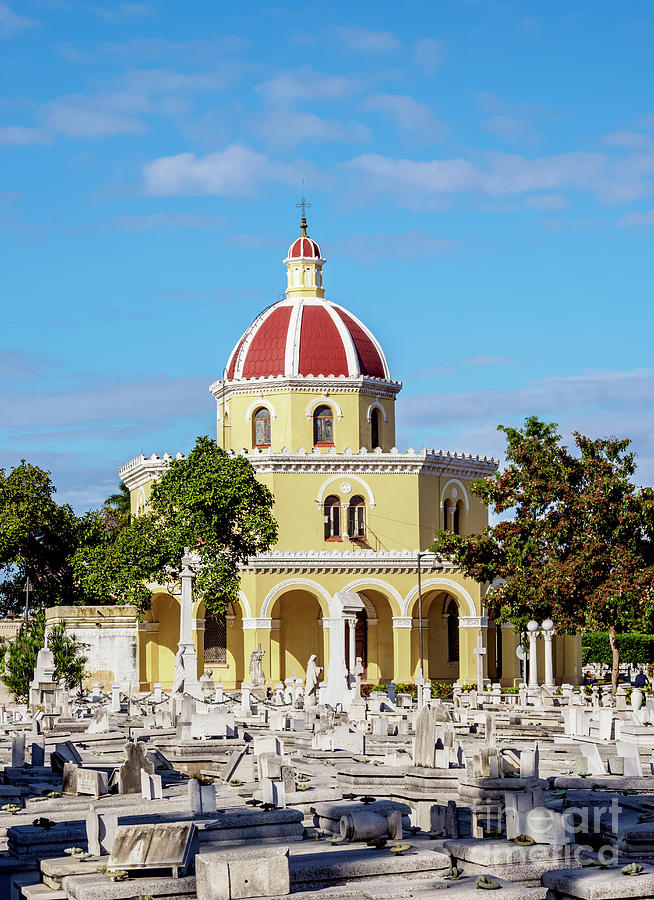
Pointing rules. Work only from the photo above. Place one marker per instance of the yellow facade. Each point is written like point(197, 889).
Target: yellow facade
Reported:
point(392, 503)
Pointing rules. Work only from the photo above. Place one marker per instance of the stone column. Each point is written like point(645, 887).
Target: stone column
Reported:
point(186, 645)
point(532, 628)
point(548, 635)
point(337, 689)
point(402, 649)
point(351, 662)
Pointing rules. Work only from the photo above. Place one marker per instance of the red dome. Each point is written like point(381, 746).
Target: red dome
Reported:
point(307, 336)
point(304, 248)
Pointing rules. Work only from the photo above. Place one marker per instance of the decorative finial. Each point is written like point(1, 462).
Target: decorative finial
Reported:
point(304, 205)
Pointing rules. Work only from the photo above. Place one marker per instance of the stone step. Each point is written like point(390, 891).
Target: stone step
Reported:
point(42, 892)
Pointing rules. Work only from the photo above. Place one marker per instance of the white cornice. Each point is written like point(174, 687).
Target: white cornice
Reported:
point(346, 561)
point(305, 384)
point(143, 469)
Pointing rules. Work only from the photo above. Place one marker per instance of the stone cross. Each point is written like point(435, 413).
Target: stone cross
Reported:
point(480, 652)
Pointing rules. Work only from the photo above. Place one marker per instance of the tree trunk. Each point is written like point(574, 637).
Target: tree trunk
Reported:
point(615, 668)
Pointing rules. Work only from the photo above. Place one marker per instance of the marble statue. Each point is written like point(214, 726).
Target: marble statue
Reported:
point(257, 678)
point(180, 674)
point(311, 686)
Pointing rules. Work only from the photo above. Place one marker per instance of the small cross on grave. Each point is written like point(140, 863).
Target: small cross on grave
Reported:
point(480, 651)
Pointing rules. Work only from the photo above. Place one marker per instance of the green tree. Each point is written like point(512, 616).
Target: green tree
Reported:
point(119, 503)
point(37, 540)
point(20, 655)
point(579, 547)
point(210, 502)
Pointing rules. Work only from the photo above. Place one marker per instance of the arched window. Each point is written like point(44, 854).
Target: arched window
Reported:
point(307, 276)
point(215, 639)
point(455, 519)
point(458, 517)
point(261, 428)
point(451, 611)
point(374, 428)
point(446, 515)
point(323, 426)
point(332, 509)
point(356, 518)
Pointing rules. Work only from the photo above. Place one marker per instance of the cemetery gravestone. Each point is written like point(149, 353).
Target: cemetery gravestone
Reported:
point(129, 775)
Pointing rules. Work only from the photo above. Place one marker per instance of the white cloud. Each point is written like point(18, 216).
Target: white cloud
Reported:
point(304, 83)
point(118, 103)
point(286, 128)
point(364, 40)
point(164, 220)
point(595, 403)
point(637, 218)
point(236, 171)
point(547, 201)
point(507, 175)
point(410, 115)
point(631, 140)
point(11, 23)
point(429, 54)
point(21, 136)
point(77, 117)
point(510, 129)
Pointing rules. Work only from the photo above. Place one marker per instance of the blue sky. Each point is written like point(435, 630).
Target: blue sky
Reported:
point(481, 176)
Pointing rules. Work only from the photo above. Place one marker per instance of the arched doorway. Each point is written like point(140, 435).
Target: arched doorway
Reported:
point(443, 636)
point(299, 635)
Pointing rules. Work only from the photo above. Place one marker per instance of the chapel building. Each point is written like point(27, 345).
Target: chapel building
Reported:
point(307, 395)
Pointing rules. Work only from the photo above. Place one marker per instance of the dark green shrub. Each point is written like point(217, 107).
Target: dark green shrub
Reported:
point(633, 647)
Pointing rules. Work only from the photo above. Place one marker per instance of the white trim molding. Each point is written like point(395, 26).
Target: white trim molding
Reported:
point(473, 621)
point(496, 583)
point(260, 403)
point(325, 400)
point(458, 484)
point(247, 612)
point(359, 562)
point(457, 590)
point(288, 585)
point(364, 484)
point(143, 469)
point(402, 622)
point(375, 582)
point(377, 405)
point(262, 622)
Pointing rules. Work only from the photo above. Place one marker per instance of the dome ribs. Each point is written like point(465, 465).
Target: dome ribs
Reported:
point(321, 348)
point(370, 362)
point(266, 353)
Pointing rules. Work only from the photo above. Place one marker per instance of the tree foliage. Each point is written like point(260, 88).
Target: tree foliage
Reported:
point(37, 539)
point(579, 547)
point(634, 648)
point(210, 502)
point(20, 655)
point(117, 507)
